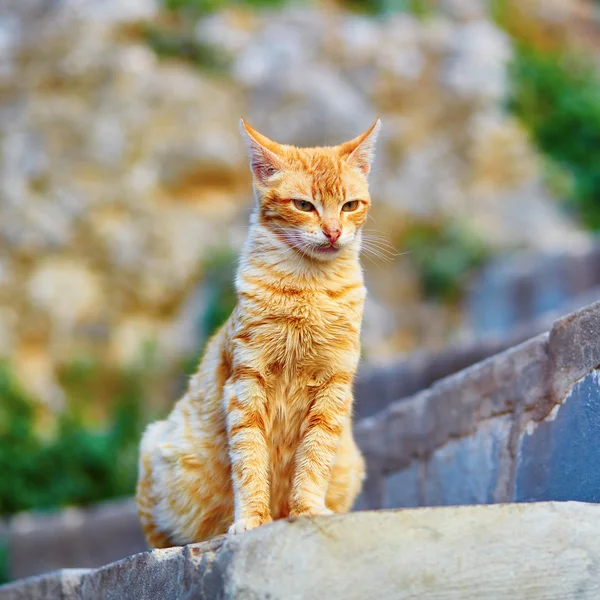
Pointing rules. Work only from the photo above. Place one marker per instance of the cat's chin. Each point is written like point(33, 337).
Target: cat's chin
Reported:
point(325, 253)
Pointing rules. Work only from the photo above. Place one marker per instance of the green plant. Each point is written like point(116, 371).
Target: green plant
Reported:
point(207, 6)
point(177, 38)
point(77, 464)
point(557, 96)
point(183, 44)
point(445, 255)
point(418, 8)
point(220, 299)
point(219, 274)
point(4, 578)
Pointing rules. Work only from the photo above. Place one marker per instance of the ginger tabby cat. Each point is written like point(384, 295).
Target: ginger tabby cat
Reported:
point(264, 430)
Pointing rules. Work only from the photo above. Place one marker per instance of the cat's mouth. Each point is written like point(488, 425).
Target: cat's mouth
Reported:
point(329, 249)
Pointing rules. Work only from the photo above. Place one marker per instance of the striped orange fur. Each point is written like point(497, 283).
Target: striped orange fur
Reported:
point(264, 430)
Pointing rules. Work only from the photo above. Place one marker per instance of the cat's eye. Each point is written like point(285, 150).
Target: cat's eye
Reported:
point(350, 206)
point(304, 205)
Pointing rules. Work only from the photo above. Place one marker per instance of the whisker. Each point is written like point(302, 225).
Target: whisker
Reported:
point(382, 251)
point(387, 249)
point(380, 237)
point(369, 258)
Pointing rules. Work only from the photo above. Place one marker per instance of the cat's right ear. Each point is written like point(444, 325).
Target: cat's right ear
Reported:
point(264, 162)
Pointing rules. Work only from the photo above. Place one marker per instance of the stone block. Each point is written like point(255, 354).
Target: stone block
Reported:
point(467, 470)
point(559, 458)
point(73, 538)
point(377, 386)
point(498, 552)
point(524, 383)
point(510, 292)
point(515, 380)
point(574, 348)
point(402, 488)
point(59, 585)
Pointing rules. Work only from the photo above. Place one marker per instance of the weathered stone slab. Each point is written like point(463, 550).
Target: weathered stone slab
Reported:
point(445, 428)
point(524, 383)
point(517, 552)
point(377, 386)
point(402, 488)
point(59, 585)
point(510, 291)
point(73, 538)
point(467, 470)
point(559, 458)
point(453, 407)
point(574, 348)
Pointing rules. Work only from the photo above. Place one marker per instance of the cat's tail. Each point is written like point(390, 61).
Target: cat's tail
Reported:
point(145, 497)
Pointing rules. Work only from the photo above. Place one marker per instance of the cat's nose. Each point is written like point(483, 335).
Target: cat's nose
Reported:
point(332, 233)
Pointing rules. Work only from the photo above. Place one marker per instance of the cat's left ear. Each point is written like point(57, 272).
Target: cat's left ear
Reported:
point(264, 159)
point(361, 150)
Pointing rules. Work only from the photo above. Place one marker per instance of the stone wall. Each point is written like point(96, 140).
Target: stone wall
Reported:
point(378, 385)
point(519, 426)
point(75, 537)
point(516, 426)
point(121, 173)
point(507, 552)
point(516, 290)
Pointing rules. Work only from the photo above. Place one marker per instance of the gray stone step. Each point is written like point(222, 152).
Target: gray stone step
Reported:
point(521, 425)
point(514, 552)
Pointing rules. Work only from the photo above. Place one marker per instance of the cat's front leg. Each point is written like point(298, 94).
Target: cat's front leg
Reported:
point(317, 450)
point(245, 402)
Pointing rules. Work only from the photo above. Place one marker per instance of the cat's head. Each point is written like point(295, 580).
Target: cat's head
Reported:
point(315, 200)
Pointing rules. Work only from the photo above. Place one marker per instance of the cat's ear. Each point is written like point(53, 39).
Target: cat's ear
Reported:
point(264, 159)
point(360, 151)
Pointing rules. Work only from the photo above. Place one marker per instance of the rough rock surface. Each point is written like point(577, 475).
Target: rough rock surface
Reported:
point(120, 173)
point(74, 537)
point(513, 427)
point(518, 426)
point(115, 176)
point(527, 551)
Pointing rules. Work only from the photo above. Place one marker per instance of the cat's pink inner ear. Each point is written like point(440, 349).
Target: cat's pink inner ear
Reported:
point(360, 151)
point(264, 161)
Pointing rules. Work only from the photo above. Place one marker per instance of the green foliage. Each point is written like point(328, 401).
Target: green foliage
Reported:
point(89, 452)
point(219, 277)
point(220, 299)
point(558, 98)
point(77, 464)
point(207, 6)
point(446, 255)
point(4, 578)
point(418, 8)
point(178, 39)
point(181, 44)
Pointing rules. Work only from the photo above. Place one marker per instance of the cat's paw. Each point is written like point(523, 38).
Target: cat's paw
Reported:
point(246, 524)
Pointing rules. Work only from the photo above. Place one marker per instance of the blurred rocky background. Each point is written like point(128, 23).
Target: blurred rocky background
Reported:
point(125, 191)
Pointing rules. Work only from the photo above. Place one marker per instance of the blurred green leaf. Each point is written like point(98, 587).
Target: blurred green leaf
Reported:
point(445, 254)
point(557, 96)
point(78, 464)
point(207, 6)
point(181, 44)
point(4, 578)
point(219, 275)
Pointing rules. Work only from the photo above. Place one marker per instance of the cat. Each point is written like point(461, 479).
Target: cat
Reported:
point(264, 431)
